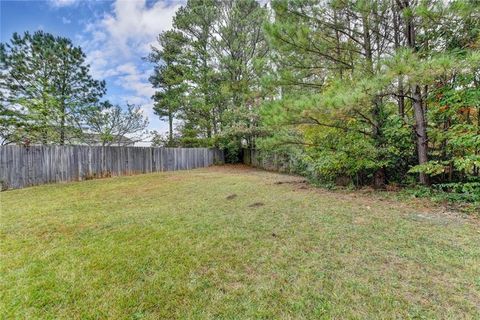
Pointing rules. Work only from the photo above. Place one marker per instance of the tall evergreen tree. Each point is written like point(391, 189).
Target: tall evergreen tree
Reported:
point(47, 79)
point(196, 21)
point(76, 90)
point(220, 65)
point(337, 43)
point(242, 50)
point(169, 77)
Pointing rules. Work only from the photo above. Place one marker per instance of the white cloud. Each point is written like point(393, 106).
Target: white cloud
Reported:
point(66, 20)
point(128, 68)
point(62, 3)
point(131, 27)
point(134, 25)
point(117, 41)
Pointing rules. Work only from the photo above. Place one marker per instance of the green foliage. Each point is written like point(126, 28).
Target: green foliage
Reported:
point(468, 191)
point(46, 80)
point(464, 196)
point(363, 99)
point(232, 148)
point(168, 77)
point(162, 140)
point(208, 72)
point(370, 92)
point(11, 123)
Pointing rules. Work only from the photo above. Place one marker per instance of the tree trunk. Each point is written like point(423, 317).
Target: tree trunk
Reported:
point(62, 127)
point(337, 42)
point(379, 180)
point(397, 44)
point(420, 131)
point(170, 129)
point(401, 98)
point(380, 177)
point(419, 111)
point(209, 131)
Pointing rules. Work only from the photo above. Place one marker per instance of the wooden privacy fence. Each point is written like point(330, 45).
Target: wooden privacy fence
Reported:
point(268, 161)
point(27, 166)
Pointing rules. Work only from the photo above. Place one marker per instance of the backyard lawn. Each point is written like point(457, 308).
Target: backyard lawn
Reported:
point(230, 243)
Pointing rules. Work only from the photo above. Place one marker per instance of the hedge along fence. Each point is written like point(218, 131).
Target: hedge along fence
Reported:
point(27, 166)
point(269, 161)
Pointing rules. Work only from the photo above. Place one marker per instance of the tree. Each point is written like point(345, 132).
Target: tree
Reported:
point(113, 125)
point(328, 47)
point(168, 77)
point(242, 53)
point(196, 22)
point(366, 70)
point(76, 91)
point(215, 56)
point(10, 123)
point(163, 140)
point(416, 91)
point(46, 77)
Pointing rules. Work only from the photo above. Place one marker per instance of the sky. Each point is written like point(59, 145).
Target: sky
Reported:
point(115, 35)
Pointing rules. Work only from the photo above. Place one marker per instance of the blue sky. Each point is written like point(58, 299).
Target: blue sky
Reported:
point(115, 35)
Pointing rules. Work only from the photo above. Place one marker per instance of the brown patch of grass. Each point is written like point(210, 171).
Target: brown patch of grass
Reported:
point(256, 205)
point(291, 182)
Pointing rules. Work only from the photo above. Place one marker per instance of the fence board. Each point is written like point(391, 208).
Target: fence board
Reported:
point(21, 166)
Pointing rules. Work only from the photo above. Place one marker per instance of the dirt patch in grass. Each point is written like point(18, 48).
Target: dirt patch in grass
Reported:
point(232, 196)
point(436, 217)
point(256, 205)
point(291, 182)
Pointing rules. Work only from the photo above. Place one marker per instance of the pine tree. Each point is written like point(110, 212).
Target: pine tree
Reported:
point(196, 23)
point(46, 77)
point(342, 66)
point(169, 77)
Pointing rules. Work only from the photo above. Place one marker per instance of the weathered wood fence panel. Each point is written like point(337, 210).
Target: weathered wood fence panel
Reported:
point(268, 161)
point(21, 166)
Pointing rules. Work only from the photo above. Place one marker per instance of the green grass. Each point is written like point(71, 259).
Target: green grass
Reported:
point(171, 245)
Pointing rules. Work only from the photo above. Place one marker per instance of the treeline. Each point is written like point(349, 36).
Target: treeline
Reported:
point(376, 91)
point(47, 96)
